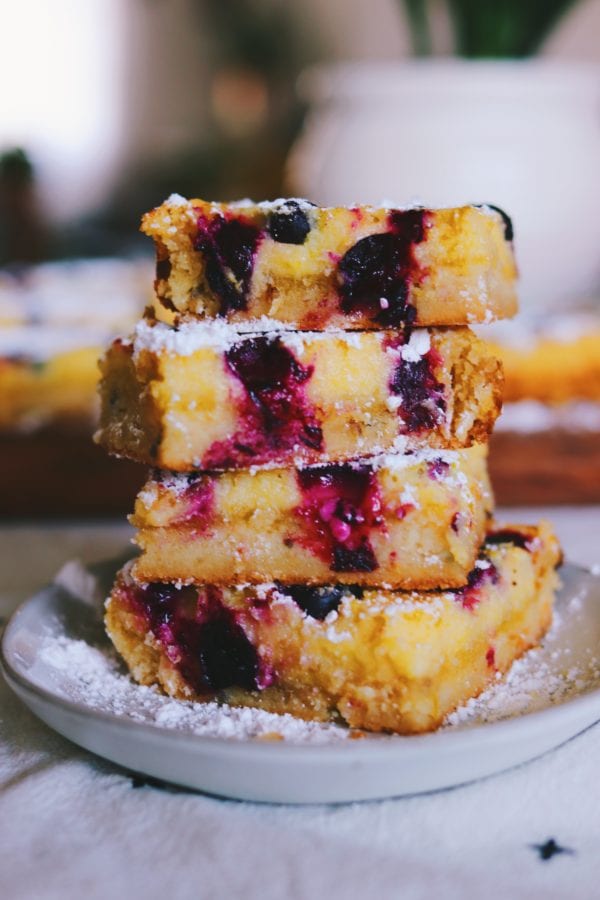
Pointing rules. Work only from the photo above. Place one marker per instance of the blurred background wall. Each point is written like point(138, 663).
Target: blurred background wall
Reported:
point(109, 106)
point(117, 101)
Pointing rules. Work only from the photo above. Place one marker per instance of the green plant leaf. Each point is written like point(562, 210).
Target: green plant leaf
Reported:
point(418, 20)
point(504, 28)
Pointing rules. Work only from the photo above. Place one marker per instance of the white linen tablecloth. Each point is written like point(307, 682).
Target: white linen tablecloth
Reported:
point(75, 826)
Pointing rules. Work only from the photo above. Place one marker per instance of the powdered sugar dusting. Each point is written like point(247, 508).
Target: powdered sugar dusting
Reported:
point(542, 677)
point(418, 345)
point(566, 665)
point(157, 337)
point(176, 200)
point(268, 206)
point(162, 481)
point(397, 461)
point(190, 336)
point(93, 676)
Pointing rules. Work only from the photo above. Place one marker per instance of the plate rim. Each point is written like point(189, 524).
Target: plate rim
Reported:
point(373, 744)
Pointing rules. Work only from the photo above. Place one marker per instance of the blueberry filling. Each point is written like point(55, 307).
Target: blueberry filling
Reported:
point(484, 572)
point(199, 502)
point(227, 657)
point(423, 402)
point(201, 637)
point(197, 497)
point(376, 273)
point(289, 224)
point(229, 247)
point(276, 414)
point(509, 536)
point(163, 269)
point(437, 469)
point(340, 507)
point(318, 602)
point(354, 559)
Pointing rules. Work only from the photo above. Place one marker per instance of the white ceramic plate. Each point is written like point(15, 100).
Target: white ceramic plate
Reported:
point(56, 658)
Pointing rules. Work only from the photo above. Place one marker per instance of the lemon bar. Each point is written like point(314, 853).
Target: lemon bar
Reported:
point(376, 659)
point(60, 389)
point(202, 395)
point(555, 361)
point(413, 520)
point(353, 268)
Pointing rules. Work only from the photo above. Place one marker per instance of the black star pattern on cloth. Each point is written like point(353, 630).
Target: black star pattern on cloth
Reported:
point(550, 848)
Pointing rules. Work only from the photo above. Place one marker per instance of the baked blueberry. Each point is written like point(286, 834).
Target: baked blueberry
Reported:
point(229, 247)
point(318, 602)
point(509, 536)
point(289, 224)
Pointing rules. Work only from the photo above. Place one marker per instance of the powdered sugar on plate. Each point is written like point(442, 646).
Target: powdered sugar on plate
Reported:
point(70, 657)
point(93, 676)
point(57, 659)
point(542, 677)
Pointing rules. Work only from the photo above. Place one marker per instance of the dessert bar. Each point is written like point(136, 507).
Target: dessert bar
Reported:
point(376, 659)
point(546, 446)
point(553, 370)
point(316, 534)
point(413, 520)
point(202, 395)
point(312, 267)
point(58, 390)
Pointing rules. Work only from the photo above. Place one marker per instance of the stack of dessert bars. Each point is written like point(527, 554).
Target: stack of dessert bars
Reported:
point(316, 532)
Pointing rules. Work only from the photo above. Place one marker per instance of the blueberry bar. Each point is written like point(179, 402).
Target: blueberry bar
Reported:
point(405, 520)
point(348, 267)
point(204, 396)
point(373, 658)
point(58, 388)
point(557, 367)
